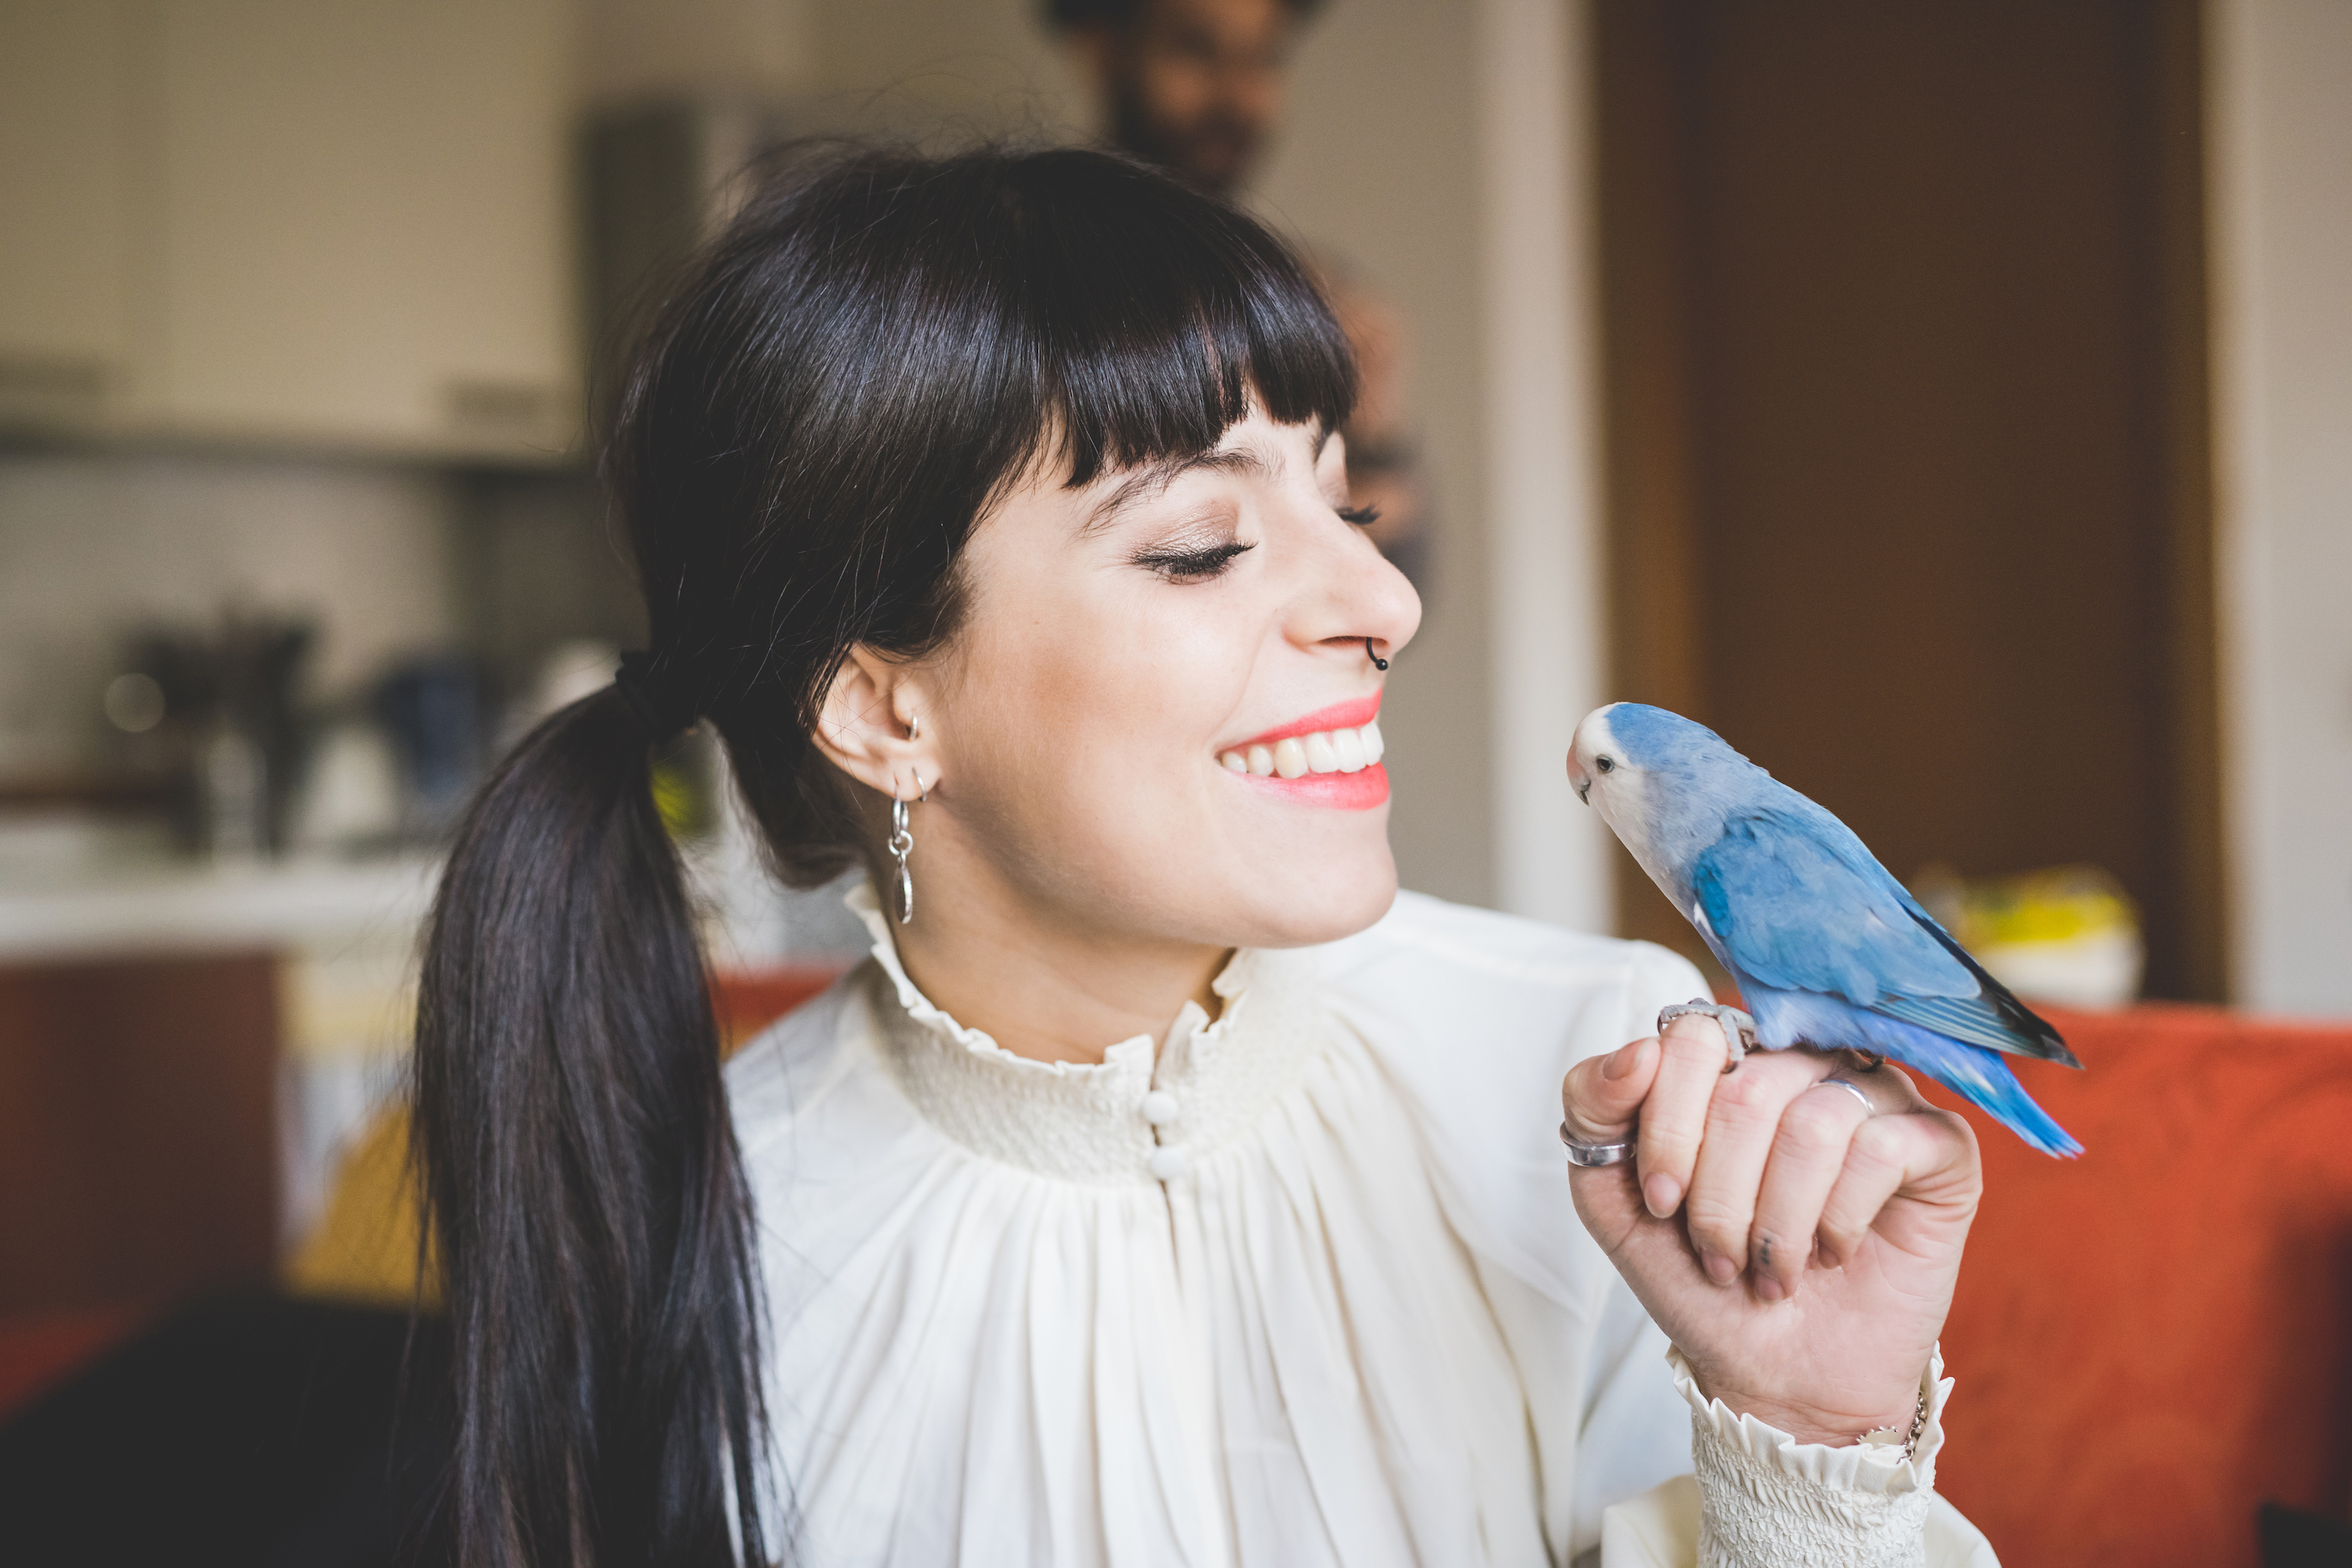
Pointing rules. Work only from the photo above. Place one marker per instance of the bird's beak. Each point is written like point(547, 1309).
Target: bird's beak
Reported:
point(1579, 781)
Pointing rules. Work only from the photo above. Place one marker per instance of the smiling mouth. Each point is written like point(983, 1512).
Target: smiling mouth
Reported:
point(1318, 751)
point(1344, 738)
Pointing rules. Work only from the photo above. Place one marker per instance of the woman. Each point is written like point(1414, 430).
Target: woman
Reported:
point(1166, 1189)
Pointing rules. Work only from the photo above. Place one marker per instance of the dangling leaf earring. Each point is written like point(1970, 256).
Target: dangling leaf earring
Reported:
point(902, 842)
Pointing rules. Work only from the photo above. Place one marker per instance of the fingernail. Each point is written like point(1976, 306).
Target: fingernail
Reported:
point(1621, 1060)
point(1662, 1194)
point(1769, 1288)
point(1720, 1269)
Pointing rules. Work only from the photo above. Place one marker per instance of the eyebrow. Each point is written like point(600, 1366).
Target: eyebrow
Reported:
point(1153, 478)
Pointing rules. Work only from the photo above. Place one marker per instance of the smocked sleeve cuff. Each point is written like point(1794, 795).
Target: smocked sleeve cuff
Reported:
point(1767, 1500)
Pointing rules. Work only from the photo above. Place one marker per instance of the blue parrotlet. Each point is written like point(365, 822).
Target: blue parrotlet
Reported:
point(1827, 949)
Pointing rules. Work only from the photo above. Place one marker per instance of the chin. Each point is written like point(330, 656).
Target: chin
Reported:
point(1335, 901)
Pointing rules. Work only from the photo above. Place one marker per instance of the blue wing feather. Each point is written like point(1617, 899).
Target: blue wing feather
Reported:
point(1797, 903)
point(1795, 912)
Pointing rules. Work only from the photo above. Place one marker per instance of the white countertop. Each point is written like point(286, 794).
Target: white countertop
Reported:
point(314, 905)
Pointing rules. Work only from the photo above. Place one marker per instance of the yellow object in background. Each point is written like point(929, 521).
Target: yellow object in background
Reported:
point(2068, 935)
point(364, 1248)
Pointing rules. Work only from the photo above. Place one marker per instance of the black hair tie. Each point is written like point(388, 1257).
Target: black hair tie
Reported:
point(664, 704)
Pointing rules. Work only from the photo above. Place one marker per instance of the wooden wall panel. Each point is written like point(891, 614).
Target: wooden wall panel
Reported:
point(1906, 387)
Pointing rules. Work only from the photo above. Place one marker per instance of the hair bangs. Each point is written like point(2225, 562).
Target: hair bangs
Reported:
point(1154, 322)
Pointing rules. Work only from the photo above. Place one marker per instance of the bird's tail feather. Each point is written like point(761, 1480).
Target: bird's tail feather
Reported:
point(1983, 1079)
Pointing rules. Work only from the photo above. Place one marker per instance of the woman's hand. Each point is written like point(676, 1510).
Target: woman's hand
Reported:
point(1798, 1247)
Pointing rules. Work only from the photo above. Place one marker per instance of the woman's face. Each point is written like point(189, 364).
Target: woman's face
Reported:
point(1128, 649)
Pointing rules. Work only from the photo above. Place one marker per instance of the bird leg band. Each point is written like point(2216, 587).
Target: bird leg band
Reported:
point(1739, 1029)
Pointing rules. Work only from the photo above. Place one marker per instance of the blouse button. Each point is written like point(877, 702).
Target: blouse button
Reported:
point(1166, 1165)
point(1159, 1107)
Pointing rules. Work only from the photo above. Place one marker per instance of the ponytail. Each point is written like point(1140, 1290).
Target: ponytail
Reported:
point(581, 1171)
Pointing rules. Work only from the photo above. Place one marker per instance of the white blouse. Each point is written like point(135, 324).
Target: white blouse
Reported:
point(1300, 1287)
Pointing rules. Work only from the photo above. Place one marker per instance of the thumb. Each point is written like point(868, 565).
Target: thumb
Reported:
point(1600, 1094)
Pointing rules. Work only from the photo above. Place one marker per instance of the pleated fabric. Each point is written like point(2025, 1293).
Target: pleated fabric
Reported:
point(1299, 1287)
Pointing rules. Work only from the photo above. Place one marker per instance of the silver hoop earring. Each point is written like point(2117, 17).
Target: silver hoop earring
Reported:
point(902, 844)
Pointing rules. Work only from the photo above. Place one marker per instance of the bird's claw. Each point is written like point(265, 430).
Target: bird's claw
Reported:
point(1739, 1029)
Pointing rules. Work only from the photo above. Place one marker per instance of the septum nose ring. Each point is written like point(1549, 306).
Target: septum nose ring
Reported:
point(1377, 662)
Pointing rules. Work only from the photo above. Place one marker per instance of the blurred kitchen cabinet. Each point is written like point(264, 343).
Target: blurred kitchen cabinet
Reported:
point(337, 225)
point(364, 221)
point(138, 1143)
point(66, 202)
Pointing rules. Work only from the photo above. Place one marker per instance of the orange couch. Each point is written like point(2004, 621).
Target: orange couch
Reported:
point(2152, 1339)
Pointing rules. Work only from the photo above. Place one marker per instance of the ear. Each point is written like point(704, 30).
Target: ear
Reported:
point(868, 726)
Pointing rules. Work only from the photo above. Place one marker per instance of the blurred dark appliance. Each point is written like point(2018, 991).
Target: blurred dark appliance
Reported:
point(210, 721)
point(437, 712)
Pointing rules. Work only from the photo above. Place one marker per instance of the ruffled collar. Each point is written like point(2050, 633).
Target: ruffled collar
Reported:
point(1148, 1112)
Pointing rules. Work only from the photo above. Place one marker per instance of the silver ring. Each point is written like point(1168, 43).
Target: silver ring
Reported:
point(1590, 1155)
point(1853, 1088)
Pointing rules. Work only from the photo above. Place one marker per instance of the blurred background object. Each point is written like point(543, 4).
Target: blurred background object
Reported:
point(2067, 936)
point(1910, 398)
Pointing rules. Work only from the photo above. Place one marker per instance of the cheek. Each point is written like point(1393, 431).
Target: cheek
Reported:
point(1094, 706)
point(1088, 777)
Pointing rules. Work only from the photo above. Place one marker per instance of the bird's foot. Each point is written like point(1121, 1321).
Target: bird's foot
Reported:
point(1871, 1060)
point(1739, 1029)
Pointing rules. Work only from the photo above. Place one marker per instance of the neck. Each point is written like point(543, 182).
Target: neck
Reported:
point(1044, 984)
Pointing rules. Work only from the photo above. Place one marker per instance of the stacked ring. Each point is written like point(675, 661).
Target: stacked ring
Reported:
point(1588, 1155)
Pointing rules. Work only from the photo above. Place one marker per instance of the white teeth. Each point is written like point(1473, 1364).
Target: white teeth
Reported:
point(1325, 752)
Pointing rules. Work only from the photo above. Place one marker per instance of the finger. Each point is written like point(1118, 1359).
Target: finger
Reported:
point(1887, 1155)
point(1742, 1120)
point(1600, 1094)
point(1809, 1154)
point(1599, 1098)
point(1674, 1118)
point(1890, 1088)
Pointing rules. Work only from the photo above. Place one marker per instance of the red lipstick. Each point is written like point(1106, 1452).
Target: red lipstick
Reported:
point(1359, 791)
point(1353, 714)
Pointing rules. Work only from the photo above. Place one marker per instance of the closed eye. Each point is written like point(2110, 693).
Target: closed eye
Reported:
point(1193, 565)
point(1361, 516)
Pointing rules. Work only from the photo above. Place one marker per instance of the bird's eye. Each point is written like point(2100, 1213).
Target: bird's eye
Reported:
point(1606, 765)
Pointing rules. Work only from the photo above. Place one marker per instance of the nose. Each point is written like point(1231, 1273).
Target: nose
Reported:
point(1364, 602)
